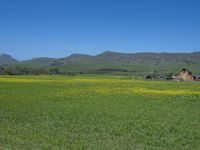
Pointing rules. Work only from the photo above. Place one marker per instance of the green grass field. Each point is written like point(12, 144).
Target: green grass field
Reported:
point(98, 112)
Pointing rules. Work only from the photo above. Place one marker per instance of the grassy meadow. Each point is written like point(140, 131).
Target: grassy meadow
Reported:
point(98, 112)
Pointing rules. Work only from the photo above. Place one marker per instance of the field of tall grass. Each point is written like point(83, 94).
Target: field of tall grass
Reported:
point(98, 112)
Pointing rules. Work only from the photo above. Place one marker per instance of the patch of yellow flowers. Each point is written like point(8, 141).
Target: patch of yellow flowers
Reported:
point(146, 91)
point(112, 91)
point(22, 80)
point(98, 87)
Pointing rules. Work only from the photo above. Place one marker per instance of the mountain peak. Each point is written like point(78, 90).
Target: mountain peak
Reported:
point(107, 52)
point(2, 54)
point(6, 59)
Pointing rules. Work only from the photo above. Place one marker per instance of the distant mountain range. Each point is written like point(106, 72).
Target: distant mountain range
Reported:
point(140, 62)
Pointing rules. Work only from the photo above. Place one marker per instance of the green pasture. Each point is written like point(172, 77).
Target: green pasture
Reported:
point(98, 112)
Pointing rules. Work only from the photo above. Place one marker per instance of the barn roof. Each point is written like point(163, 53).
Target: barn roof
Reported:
point(187, 70)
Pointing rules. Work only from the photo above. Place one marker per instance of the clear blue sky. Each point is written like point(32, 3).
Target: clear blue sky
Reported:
point(58, 28)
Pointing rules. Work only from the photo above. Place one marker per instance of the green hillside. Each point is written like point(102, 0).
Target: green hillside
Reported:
point(118, 62)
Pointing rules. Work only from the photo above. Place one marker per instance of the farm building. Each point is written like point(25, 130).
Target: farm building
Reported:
point(186, 75)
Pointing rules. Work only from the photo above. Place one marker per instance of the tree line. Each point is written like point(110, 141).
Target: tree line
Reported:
point(161, 76)
point(16, 70)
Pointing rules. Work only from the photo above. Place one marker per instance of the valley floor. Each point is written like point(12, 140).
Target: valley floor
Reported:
point(98, 112)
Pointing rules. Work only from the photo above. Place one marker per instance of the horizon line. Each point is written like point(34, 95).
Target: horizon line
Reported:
point(106, 51)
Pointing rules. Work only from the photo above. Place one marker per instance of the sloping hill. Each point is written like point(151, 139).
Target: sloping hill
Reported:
point(149, 58)
point(42, 61)
point(7, 59)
